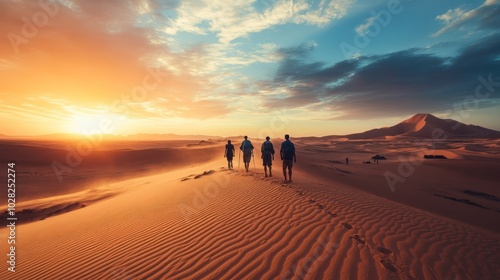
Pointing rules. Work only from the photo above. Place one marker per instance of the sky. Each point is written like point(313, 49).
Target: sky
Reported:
point(302, 67)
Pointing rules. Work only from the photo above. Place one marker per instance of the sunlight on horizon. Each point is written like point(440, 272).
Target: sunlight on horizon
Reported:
point(331, 67)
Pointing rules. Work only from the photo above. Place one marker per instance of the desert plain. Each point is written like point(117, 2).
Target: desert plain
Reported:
point(173, 210)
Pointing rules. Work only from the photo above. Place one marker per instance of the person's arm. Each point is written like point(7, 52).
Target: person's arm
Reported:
point(281, 152)
point(294, 155)
point(225, 152)
point(262, 150)
point(272, 151)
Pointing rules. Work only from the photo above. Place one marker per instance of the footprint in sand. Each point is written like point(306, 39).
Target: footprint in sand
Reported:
point(390, 266)
point(332, 214)
point(347, 225)
point(384, 250)
point(359, 239)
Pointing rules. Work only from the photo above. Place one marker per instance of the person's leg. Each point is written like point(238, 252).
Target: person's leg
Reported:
point(246, 161)
point(290, 172)
point(270, 171)
point(284, 169)
point(265, 170)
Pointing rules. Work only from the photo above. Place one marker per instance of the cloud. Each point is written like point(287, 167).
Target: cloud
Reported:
point(363, 29)
point(294, 68)
point(486, 16)
point(94, 53)
point(230, 20)
point(384, 85)
point(299, 83)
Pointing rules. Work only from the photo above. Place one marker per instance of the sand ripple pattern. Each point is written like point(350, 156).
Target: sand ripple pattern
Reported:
point(256, 228)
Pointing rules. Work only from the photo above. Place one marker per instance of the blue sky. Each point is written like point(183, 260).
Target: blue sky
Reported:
point(235, 67)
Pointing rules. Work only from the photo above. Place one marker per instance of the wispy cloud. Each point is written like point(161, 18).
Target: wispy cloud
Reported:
point(363, 29)
point(486, 16)
point(230, 20)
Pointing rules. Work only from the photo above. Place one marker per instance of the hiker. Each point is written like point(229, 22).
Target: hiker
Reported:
point(346, 160)
point(229, 154)
point(287, 153)
point(247, 149)
point(267, 157)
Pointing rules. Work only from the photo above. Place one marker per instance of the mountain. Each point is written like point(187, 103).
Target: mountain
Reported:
point(427, 125)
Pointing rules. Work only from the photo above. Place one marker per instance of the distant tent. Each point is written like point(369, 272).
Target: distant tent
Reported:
point(378, 157)
point(435, 157)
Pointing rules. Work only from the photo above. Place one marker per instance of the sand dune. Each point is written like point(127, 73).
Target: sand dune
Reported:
point(106, 163)
point(335, 221)
point(246, 227)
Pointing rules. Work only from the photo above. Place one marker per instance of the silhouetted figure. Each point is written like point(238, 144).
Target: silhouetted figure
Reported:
point(267, 157)
point(229, 154)
point(287, 153)
point(346, 160)
point(247, 149)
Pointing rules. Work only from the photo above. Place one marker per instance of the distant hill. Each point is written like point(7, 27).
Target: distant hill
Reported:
point(423, 125)
point(170, 136)
point(113, 137)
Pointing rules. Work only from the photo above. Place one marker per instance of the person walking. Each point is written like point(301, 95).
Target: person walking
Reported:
point(267, 157)
point(287, 153)
point(229, 154)
point(247, 149)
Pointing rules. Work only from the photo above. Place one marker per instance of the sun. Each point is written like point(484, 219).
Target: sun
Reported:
point(81, 124)
point(88, 124)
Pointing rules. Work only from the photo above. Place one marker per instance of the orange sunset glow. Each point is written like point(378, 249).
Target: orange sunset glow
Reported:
point(250, 139)
point(66, 64)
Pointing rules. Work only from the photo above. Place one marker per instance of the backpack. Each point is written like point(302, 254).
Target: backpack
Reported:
point(288, 150)
point(267, 148)
point(229, 149)
point(247, 145)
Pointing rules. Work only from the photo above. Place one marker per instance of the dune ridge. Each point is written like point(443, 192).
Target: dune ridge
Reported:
point(251, 228)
